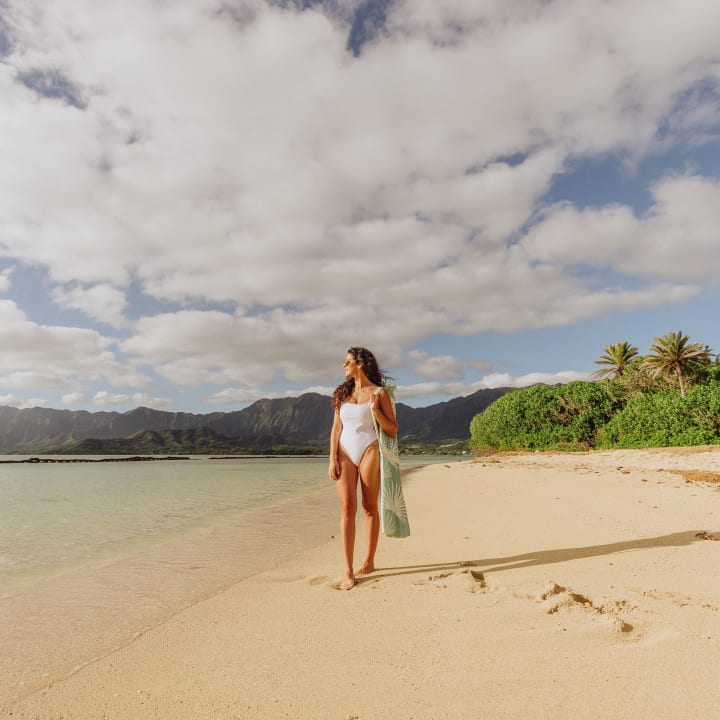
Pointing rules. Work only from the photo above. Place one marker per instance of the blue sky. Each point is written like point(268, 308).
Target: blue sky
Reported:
point(205, 202)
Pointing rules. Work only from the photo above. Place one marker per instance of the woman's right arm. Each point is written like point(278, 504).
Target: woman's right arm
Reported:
point(334, 465)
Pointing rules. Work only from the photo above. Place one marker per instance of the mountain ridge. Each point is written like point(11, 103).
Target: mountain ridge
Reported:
point(296, 421)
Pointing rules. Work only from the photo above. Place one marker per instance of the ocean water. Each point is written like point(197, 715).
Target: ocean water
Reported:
point(94, 554)
point(55, 516)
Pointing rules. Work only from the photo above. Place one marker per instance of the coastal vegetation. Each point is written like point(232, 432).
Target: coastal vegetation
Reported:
point(668, 397)
point(202, 441)
point(192, 441)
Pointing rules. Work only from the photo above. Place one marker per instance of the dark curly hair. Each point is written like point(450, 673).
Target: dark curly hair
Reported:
point(374, 374)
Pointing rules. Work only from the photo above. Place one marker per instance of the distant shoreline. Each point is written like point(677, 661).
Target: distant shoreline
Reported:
point(133, 458)
point(246, 456)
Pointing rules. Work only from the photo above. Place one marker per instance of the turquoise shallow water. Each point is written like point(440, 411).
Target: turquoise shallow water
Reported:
point(94, 554)
point(55, 515)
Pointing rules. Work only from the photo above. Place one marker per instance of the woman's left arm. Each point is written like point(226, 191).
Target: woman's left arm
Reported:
point(382, 407)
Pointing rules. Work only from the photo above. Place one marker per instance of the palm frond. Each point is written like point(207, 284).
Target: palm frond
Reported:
point(616, 357)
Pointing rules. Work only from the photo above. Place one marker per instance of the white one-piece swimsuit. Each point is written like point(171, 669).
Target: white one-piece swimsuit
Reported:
point(358, 431)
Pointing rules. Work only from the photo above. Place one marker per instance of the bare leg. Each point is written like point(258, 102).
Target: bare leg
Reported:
point(346, 486)
point(370, 488)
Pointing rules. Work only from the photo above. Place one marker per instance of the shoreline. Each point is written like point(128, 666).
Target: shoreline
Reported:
point(129, 458)
point(537, 583)
point(115, 600)
point(54, 623)
point(35, 460)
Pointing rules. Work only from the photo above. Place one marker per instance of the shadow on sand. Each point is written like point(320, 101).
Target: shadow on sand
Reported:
point(548, 557)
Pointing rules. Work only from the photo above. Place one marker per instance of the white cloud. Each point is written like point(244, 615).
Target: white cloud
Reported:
point(322, 200)
point(441, 367)
point(42, 377)
point(243, 396)
point(36, 356)
point(672, 240)
point(680, 233)
point(497, 380)
point(194, 347)
point(101, 302)
point(594, 237)
point(12, 401)
point(249, 352)
point(5, 280)
point(292, 141)
point(103, 398)
point(75, 399)
point(494, 380)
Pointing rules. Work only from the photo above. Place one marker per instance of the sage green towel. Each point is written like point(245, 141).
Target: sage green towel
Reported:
point(393, 513)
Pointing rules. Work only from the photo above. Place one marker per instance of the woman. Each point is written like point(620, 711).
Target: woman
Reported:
point(354, 452)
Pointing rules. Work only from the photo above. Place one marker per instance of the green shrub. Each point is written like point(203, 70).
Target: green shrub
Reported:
point(544, 417)
point(663, 419)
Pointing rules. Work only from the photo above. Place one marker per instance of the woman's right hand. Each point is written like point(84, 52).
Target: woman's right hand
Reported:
point(334, 469)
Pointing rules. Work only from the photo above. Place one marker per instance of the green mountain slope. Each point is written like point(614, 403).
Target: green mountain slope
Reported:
point(303, 421)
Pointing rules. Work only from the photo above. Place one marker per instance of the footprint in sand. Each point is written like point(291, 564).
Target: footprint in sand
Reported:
point(438, 579)
point(681, 601)
point(470, 580)
point(479, 581)
point(704, 535)
point(318, 580)
point(555, 598)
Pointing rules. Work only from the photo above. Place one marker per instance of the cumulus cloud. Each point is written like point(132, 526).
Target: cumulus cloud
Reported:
point(74, 399)
point(5, 280)
point(441, 367)
point(194, 347)
point(301, 114)
point(496, 380)
point(101, 302)
point(672, 240)
point(243, 396)
point(309, 198)
point(40, 356)
point(416, 391)
point(103, 398)
point(493, 380)
point(12, 401)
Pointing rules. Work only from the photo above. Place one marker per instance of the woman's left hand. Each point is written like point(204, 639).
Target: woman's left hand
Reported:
point(384, 412)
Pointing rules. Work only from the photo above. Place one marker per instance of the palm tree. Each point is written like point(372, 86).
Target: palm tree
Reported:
point(617, 358)
point(672, 355)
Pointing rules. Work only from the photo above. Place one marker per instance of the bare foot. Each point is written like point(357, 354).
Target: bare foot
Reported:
point(347, 583)
point(366, 568)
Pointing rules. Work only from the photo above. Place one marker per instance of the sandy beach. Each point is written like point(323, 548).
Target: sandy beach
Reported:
point(560, 586)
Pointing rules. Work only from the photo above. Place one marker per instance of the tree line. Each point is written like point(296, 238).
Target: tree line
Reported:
point(669, 396)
